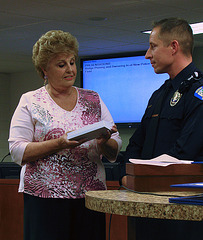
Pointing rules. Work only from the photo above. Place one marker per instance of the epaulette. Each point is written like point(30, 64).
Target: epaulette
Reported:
point(186, 84)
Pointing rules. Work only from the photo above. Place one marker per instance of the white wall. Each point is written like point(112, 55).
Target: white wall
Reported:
point(5, 113)
point(12, 86)
point(198, 57)
point(21, 83)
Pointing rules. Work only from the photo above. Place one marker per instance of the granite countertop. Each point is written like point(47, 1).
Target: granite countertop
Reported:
point(128, 203)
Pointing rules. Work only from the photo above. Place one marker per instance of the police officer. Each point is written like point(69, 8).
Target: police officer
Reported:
point(173, 121)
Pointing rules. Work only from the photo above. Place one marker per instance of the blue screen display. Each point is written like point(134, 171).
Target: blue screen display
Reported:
point(125, 84)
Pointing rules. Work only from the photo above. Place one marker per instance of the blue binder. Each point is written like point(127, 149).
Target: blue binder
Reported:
point(189, 185)
point(192, 200)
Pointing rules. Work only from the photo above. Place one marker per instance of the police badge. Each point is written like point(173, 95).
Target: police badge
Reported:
point(175, 99)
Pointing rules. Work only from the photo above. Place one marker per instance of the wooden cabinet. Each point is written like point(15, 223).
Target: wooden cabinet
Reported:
point(11, 213)
point(11, 210)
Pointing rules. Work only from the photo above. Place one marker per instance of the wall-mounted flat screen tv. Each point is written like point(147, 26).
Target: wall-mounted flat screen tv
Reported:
point(125, 84)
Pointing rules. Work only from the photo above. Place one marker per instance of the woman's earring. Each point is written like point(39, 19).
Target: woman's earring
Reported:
point(45, 80)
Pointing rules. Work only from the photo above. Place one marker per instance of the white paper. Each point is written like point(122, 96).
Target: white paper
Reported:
point(90, 131)
point(162, 160)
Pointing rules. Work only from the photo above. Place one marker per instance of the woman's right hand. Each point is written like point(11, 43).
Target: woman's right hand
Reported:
point(64, 142)
point(37, 150)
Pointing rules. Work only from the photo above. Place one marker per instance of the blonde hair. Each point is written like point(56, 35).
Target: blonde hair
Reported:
point(50, 44)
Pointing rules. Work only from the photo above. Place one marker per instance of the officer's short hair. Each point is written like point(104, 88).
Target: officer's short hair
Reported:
point(176, 29)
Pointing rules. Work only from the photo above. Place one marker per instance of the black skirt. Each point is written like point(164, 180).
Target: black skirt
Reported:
point(61, 219)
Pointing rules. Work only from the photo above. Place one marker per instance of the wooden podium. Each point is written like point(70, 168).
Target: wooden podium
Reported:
point(11, 210)
point(148, 178)
point(11, 213)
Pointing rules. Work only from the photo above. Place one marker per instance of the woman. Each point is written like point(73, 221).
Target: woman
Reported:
point(57, 172)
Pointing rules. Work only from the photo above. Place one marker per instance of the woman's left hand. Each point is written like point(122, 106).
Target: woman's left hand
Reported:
point(108, 147)
point(105, 137)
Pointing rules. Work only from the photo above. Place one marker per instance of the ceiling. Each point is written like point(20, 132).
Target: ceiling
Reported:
point(22, 22)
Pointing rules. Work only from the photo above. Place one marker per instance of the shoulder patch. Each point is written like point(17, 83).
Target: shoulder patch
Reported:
point(199, 93)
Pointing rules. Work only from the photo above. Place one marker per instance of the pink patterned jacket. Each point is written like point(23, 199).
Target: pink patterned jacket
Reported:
point(68, 173)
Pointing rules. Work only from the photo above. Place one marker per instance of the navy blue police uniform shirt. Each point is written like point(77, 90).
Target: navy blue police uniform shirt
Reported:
point(180, 128)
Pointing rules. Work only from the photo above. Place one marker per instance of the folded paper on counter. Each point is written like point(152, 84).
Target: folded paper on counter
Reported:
point(162, 160)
